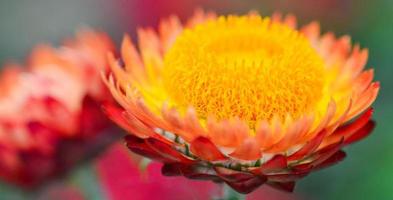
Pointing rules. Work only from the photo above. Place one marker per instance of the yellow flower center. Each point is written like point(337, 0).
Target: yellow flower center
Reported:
point(245, 67)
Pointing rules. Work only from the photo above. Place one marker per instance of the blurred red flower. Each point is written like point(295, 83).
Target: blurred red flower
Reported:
point(50, 114)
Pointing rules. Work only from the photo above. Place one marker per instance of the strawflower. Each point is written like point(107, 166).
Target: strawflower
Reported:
point(245, 100)
point(50, 112)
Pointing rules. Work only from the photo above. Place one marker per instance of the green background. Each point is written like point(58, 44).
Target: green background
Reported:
point(366, 173)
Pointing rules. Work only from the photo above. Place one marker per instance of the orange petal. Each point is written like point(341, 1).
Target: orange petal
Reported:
point(192, 125)
point(331, 110)
point(263, 135)
point(199, 16)
point(357, 61)
point(276, 17)
point(312, 32)
point(248, 150)
point(139, 128)
point(169, 29)
point(131, 57)
point(227, 133)
point(290, 20)
point(363, 81)
point(365, 101)
point(292, 135)
point(149, 45)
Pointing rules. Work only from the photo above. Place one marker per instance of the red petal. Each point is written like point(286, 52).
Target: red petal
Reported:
point(278, 162)
point(172, 169)
point(332, 160)
point(288, 177)
point(240, 181)
point(139, 146)
point(249, 185)
point(230, 175)
point(360, 134)
point(307, 167)
point(115, 113)
point(190, 171)
point(167, 151)
point(287, 187)
point(206, 150)
point(324, 154)
point(310, 147)
point(351, 128)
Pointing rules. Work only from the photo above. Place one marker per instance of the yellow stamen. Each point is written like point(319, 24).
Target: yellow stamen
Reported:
point(245, 67)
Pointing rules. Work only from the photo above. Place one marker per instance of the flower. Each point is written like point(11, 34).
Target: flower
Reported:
point(50, 114)
point(245, 100)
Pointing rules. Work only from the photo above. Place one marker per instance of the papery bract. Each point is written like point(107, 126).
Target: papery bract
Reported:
point(246, 100)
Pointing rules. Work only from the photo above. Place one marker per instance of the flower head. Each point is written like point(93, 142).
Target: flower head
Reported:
point(242, 99)
point(50, 111)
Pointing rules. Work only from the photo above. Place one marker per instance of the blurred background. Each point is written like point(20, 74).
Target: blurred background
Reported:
point(366, 173)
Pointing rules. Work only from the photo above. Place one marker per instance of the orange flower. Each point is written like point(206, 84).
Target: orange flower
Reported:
point(246, 100)
point(50, 112)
